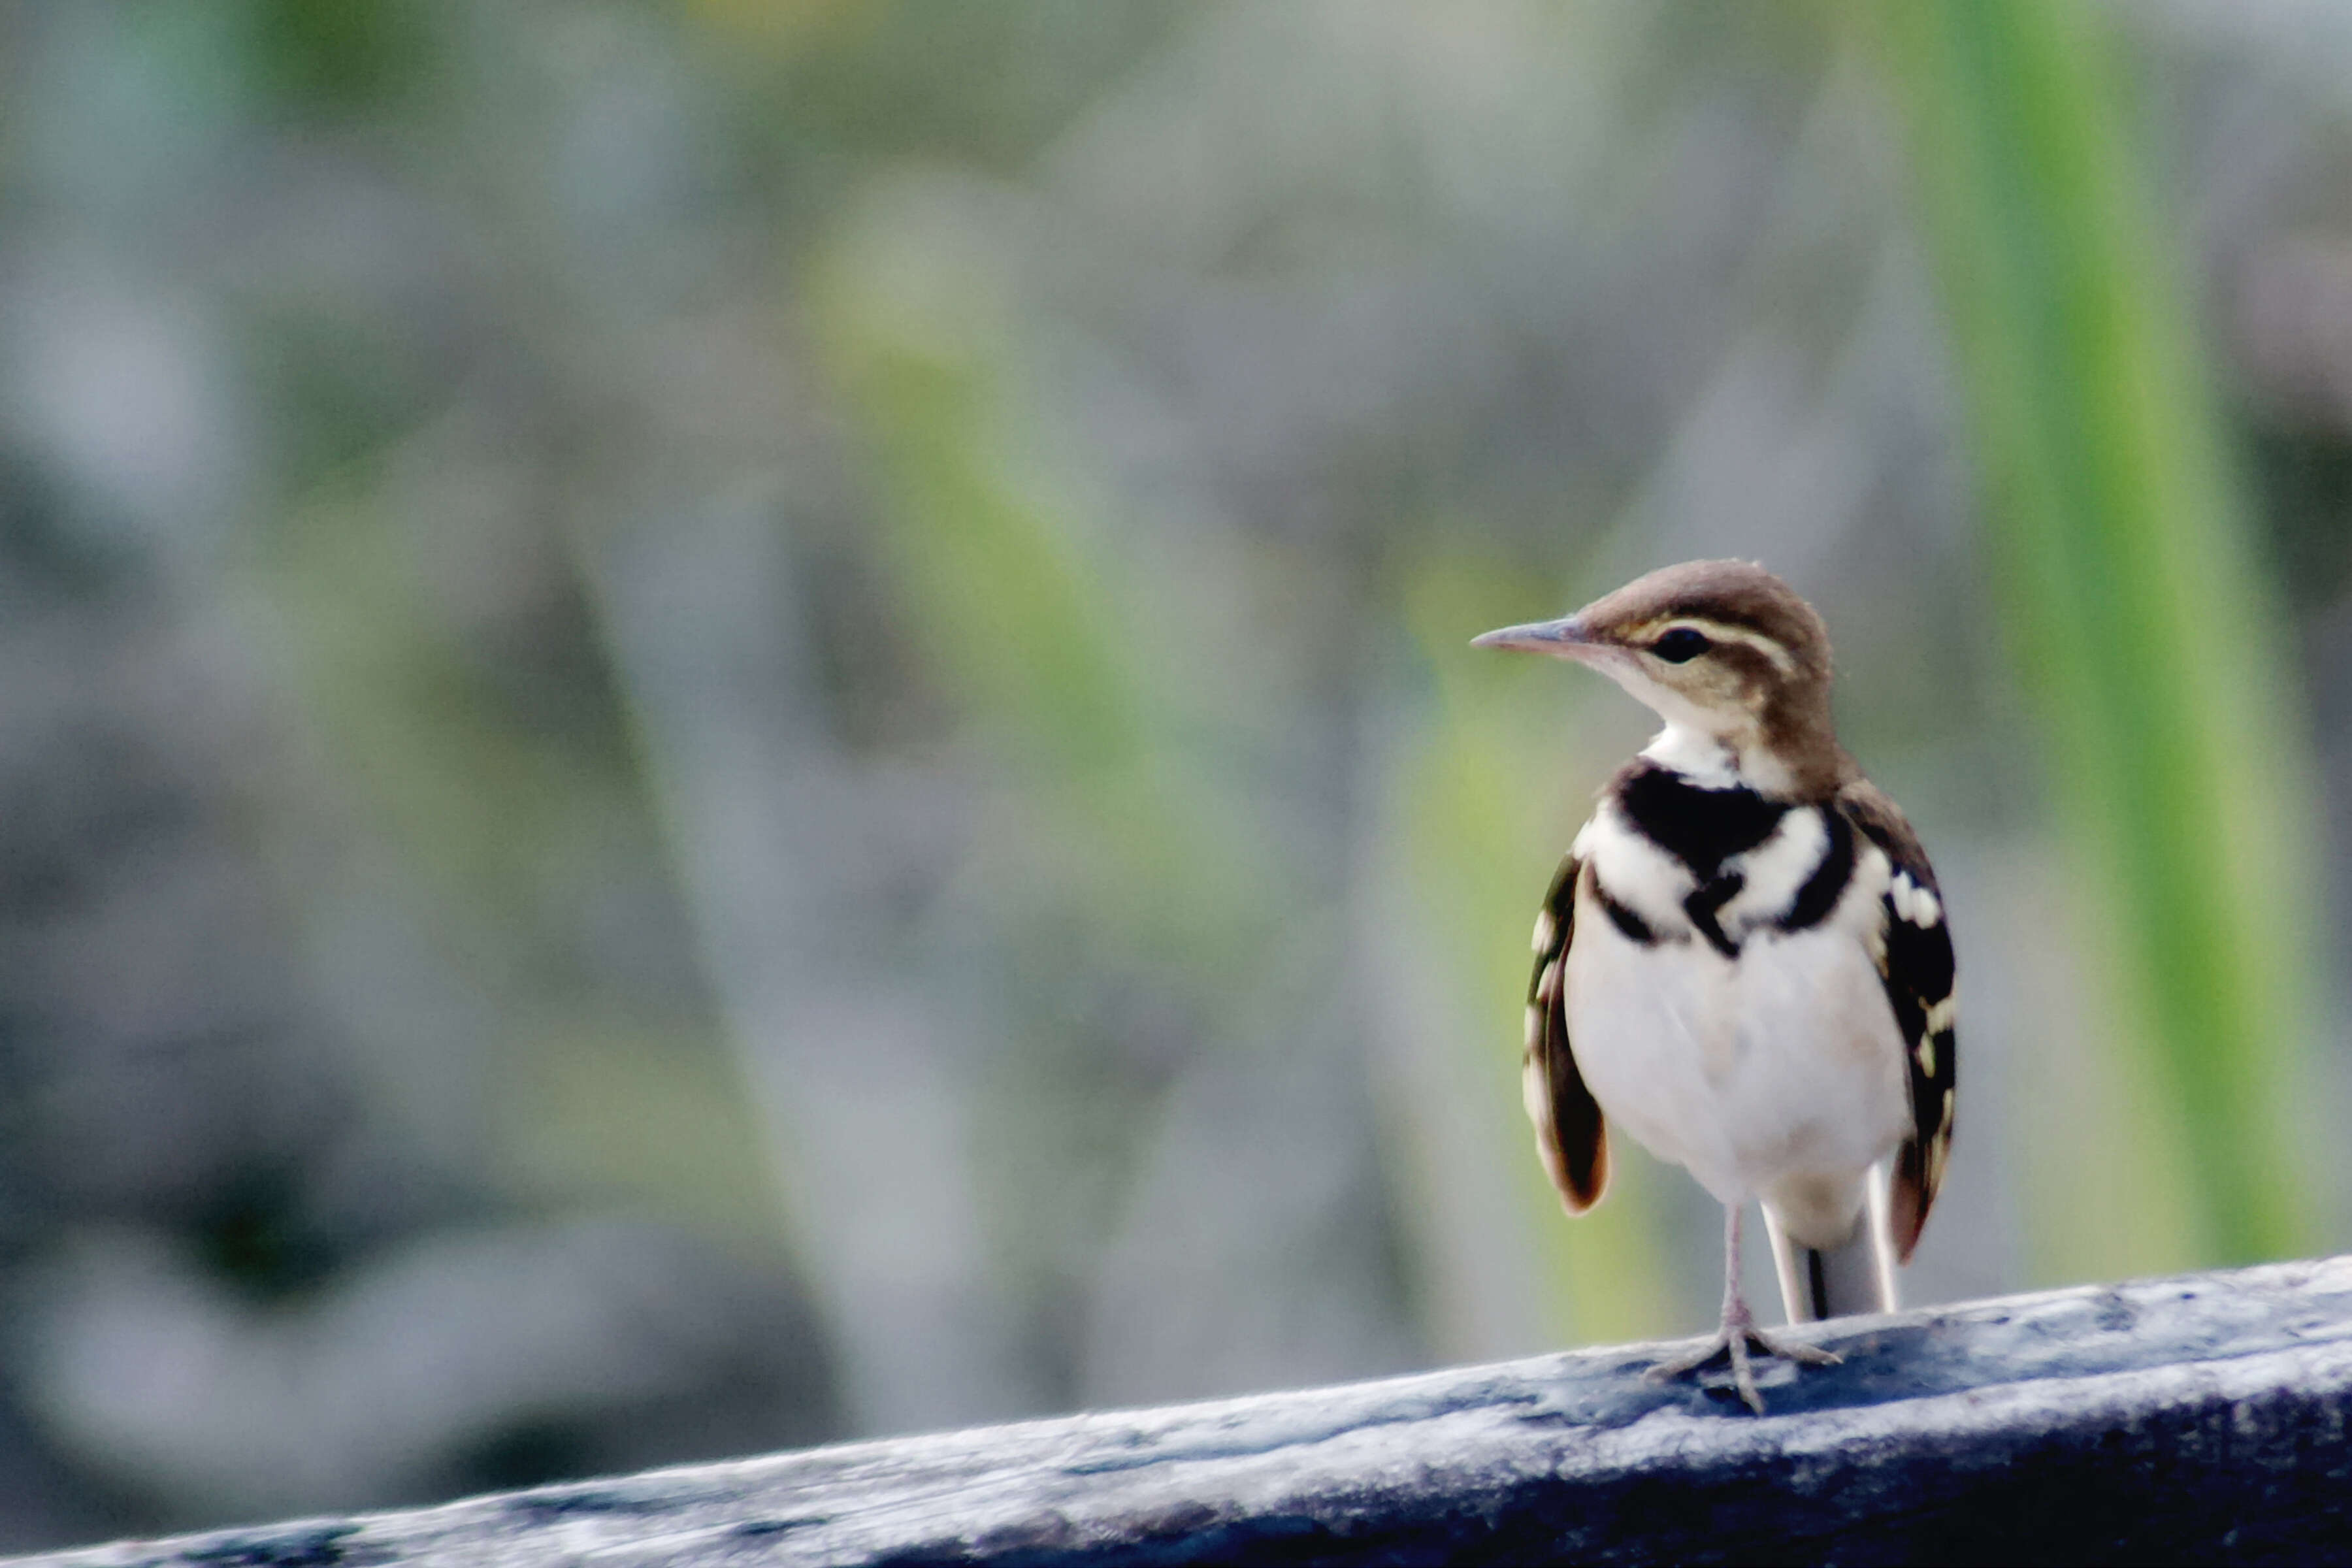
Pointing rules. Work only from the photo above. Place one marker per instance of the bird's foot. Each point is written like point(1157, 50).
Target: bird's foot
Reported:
point(1739, 1332)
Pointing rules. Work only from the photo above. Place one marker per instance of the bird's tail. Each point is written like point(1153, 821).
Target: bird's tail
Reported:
point(1857, 1276)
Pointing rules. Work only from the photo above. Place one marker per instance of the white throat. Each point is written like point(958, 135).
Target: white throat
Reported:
point(1711, 762)
point(1698, 756)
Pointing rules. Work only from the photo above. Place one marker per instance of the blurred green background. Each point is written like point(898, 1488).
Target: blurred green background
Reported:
point(730, 723)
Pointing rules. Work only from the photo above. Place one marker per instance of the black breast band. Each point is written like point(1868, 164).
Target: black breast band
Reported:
point(1700, 827)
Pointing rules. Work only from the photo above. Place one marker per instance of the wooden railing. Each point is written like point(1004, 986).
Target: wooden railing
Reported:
point(2198, 1418)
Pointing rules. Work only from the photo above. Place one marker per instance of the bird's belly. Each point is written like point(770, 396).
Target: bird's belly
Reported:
point(1782, 1062)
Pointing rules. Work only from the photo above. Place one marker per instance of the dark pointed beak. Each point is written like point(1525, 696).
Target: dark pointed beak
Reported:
point(1562, 639)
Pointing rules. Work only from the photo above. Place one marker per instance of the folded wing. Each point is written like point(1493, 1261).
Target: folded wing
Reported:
point(1914, 962)
point(1570, 1134)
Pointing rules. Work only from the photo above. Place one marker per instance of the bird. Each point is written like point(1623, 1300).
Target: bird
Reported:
point(1743, 960)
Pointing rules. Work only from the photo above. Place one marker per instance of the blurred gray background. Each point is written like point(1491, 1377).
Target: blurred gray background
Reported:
point(726, 724)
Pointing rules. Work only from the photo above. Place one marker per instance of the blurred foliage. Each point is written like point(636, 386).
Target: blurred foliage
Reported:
point(1060, 660)
point(2142, 619)
point(340, 55)
point(884, 79)
point(1479, 839)
point(736, 723)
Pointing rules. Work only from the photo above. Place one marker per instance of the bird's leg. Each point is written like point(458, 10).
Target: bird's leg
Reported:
point(1739, 1330)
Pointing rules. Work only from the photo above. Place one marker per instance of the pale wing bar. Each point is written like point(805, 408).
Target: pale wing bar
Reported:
point(1914, 962)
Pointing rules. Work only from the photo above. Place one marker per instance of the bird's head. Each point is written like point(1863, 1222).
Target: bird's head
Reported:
point(1724, 652)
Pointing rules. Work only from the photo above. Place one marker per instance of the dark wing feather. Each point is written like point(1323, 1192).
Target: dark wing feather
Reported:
point(1570, 1134)
point(1914, 961)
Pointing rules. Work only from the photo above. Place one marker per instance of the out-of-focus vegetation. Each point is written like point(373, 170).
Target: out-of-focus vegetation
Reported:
point(736, 723)
point(2150, 639)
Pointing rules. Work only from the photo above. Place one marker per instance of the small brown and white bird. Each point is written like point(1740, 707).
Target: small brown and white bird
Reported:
point(1743, 961)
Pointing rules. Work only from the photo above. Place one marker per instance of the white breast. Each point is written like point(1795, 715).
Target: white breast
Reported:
point(1639, 875)
point(1782, 1065)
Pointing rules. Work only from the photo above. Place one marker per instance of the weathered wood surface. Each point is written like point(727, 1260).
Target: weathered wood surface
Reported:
point(2199, 1418)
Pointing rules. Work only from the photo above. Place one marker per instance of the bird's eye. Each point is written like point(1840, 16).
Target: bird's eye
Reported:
point(1681, 646)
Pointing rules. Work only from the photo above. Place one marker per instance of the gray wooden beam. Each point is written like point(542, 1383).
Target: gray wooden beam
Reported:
point(2198, 1418)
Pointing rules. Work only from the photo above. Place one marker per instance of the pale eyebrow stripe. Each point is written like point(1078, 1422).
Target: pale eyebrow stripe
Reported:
point(1722, 632)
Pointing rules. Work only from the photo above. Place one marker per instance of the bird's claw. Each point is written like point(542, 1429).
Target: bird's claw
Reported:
point(1733, 1340)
